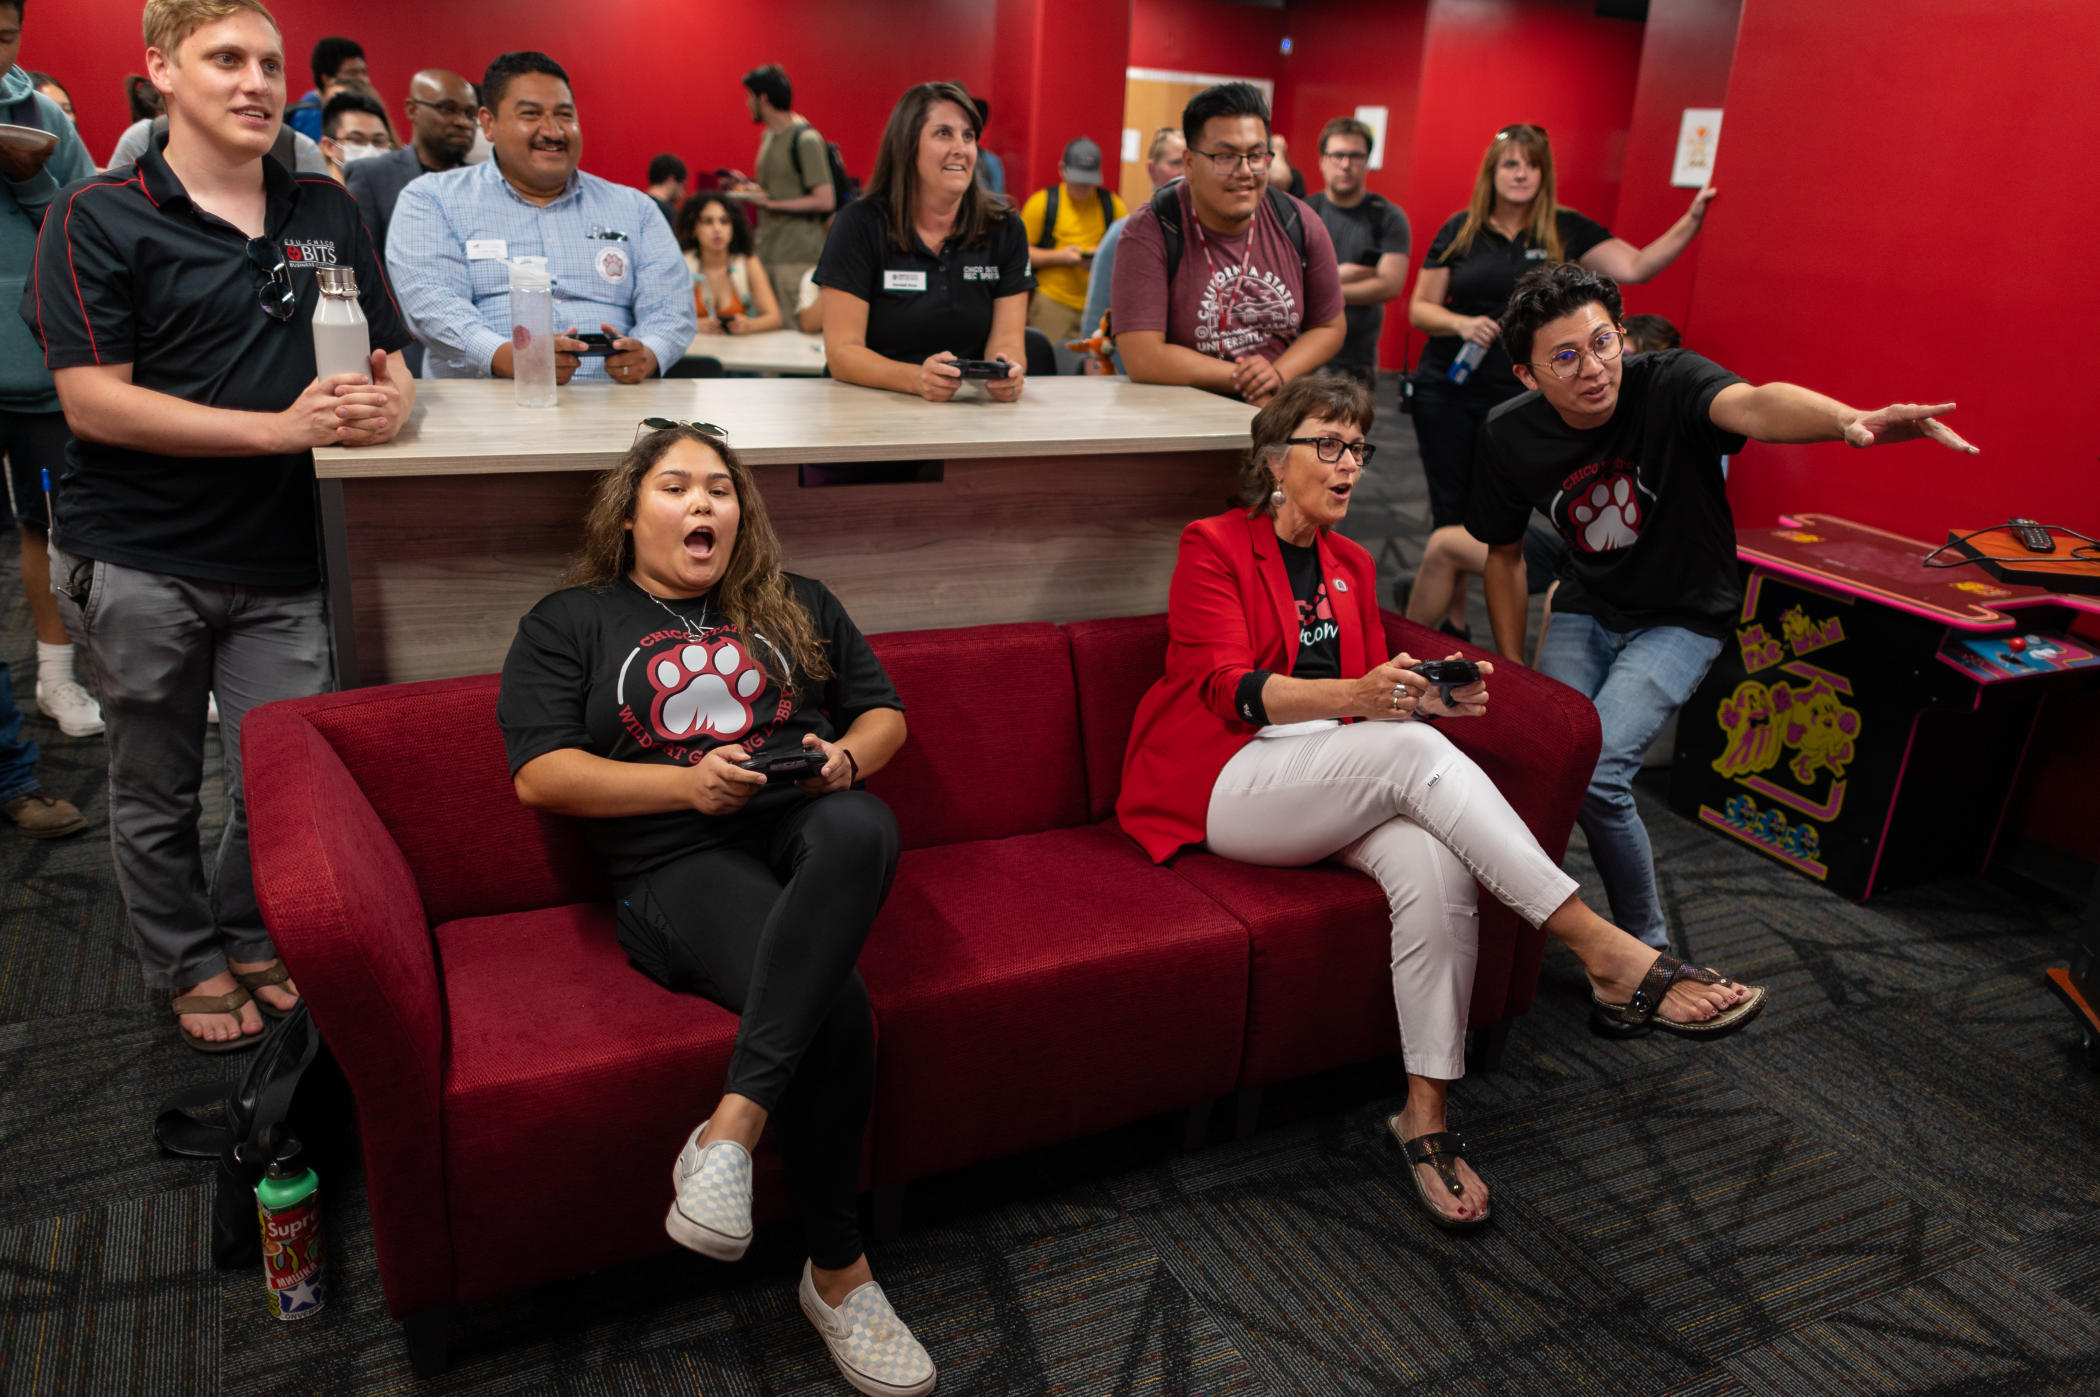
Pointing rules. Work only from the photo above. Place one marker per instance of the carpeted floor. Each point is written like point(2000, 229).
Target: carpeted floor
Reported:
point(1891, 1183)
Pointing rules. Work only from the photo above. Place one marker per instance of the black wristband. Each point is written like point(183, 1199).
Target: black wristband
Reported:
point(852, 763)
point(1246, 700)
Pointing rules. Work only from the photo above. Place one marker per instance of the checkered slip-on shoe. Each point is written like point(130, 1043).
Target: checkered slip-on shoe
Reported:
point(873, 1349)
point(711, 1204)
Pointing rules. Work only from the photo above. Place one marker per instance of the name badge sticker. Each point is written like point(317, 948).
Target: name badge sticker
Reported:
point(904, 281)
point(486, 249)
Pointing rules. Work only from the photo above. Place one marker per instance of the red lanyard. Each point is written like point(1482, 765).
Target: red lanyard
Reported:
point(1246, 254)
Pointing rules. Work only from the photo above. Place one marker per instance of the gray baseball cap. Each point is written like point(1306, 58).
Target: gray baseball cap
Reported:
point(1082, 162)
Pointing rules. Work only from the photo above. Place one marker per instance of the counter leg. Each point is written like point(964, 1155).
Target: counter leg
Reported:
point(335, 566)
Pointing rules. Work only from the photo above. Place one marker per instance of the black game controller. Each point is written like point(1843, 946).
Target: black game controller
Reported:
point(1448, 675)
point(983, 368)
point(596, 344)
point(788, 766)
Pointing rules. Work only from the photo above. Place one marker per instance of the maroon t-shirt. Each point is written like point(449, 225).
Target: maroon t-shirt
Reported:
point(1219, 304)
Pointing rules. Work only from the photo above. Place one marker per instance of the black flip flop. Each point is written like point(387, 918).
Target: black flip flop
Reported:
point(1640, 1012)
point(1439, 1150)
point(227, 1003)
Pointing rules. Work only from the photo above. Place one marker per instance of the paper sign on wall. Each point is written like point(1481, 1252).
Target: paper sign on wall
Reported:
point(1130, 144)
point(1698, 137)
point(1375, 118)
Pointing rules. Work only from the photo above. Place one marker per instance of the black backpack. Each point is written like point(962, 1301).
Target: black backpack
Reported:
point(1050, 205)
point(844, 187)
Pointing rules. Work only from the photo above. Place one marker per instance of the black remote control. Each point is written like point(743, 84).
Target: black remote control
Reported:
point(2033, 537)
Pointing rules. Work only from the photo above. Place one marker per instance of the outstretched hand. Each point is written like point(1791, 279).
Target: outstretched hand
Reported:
point(1904, 422)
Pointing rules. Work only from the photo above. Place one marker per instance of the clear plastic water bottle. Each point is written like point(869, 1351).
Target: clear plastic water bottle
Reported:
point(1466, 360)
point(342, 340)
point(532, 331)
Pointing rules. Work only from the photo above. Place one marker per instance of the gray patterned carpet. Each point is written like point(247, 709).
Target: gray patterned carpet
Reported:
point(1890, 1184)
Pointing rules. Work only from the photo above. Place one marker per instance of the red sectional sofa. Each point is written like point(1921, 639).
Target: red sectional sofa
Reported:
point(1034, 976)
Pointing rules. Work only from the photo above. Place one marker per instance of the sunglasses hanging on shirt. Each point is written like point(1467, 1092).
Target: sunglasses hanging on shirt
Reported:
point(274, 292)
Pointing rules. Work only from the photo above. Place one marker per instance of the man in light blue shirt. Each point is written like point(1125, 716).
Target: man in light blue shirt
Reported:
point(615, 264)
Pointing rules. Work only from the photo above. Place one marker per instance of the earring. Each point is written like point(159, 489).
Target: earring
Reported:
point(1276, 499)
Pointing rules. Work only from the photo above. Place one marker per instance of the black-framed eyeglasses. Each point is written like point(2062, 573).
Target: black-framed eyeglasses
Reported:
point(668, 424)
point(451, 111)
point(1347, 157)
point(274, 292)
point(1330, 449)
point(1605, 346)
point(1224, 162)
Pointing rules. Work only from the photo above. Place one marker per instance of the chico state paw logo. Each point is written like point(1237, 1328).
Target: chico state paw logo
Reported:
point(704, 689)
point(1608, 514)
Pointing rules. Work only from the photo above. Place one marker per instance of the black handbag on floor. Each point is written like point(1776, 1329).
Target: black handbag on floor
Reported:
point(291, 1079)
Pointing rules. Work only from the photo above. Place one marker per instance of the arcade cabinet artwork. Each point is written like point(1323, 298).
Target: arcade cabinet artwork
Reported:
point(1866, 723)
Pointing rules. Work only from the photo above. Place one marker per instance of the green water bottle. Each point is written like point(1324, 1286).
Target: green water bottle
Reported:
point(288, 1203)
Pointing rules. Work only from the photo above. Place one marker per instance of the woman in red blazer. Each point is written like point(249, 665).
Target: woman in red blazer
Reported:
point(1283, 734)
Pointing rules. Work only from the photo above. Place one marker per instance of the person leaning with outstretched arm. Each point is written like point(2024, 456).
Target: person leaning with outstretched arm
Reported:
point(929, 266)
point(1285, 743)
point(1623, 456)
point(634, 700)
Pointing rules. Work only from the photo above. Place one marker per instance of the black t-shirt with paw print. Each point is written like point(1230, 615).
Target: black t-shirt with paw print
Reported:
point(1641, 500)
point(614, 673)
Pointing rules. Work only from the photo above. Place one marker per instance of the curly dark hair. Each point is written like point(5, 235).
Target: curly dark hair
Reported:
point(687, 226)
point(1328, 396)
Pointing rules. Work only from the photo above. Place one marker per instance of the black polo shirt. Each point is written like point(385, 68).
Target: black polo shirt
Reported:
point(920, 302)
point(129, 271)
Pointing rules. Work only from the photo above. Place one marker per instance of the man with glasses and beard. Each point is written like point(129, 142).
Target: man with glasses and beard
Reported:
point(1221, 282)
point(174, 300)
point(440, 110)
point(1623, 457)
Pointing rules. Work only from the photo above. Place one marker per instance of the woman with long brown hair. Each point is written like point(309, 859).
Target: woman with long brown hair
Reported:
point(928, 266)
point(647, 699)
point(1513, 223)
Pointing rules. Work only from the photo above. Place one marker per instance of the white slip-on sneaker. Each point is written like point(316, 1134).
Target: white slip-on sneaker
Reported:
point(73, 708)
point(711, 1204)
point(874, 1350)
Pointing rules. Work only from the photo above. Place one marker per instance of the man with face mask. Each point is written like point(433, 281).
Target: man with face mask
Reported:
point(452, 235)
point(353, 128)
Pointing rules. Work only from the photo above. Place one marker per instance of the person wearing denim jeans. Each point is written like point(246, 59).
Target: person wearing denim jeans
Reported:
point(1623, 457)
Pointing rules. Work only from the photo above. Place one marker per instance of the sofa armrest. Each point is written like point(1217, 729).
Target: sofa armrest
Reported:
point(344, 912)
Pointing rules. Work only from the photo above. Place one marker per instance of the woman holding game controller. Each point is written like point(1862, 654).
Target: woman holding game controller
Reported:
point(925, 279)
point(1285, 744)
point(649, 699)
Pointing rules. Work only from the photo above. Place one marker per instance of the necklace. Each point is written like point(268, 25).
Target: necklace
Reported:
point(683, 624)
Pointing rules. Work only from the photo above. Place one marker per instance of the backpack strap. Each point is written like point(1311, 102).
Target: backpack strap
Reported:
point(285, 150)
point(1166, 207)
point(795, 154)
point(1048, 237)
point(1108, 205)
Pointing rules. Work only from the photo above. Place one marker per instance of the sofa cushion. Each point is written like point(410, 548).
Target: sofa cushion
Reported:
point(1113, 663)
point(571, 1082)
point(994, 747)
point(1043, 987)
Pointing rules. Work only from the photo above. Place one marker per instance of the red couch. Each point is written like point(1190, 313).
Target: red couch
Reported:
point(1034, 977)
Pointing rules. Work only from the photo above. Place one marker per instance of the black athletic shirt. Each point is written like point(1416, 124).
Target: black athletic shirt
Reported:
point(1319, 637)
point(1640, 500)
point(129, 271)
point(921, 303)
point(614, 674)
point(1481, 282)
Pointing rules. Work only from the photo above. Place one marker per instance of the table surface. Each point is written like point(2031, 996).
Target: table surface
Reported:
point(770, 352)
point(474, 426)
point(1857, 560)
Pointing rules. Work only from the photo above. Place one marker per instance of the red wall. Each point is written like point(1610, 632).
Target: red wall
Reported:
point(1685, 58)
point(1347, 54)
point(1208, 36)
point(1058, 66)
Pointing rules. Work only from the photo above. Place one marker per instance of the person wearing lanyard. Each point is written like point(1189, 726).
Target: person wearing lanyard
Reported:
point(1513, 223)
point(1247, 297)
point(930, 266)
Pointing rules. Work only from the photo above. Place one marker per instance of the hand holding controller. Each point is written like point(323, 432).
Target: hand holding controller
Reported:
point(1452, 674)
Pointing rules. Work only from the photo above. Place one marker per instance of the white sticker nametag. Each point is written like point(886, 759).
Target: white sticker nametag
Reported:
point(484, 249)
point(904, 281)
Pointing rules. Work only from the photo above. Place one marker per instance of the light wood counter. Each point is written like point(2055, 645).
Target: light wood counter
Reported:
point(1063, 506)
point(768, 352)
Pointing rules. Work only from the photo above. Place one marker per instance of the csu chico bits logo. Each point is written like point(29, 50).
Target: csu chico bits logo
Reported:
point(310, 252)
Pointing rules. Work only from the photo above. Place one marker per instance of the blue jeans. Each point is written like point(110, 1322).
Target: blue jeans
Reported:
point(1637, 679)
point(17, 753)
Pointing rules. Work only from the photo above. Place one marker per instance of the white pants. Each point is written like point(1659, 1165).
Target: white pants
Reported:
point(1396, 801)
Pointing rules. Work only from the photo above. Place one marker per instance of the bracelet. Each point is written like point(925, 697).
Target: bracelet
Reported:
point(853, 764)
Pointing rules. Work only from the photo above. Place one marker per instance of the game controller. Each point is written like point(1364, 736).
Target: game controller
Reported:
point(1448, 675)
point(798, 765)
point(983, 368)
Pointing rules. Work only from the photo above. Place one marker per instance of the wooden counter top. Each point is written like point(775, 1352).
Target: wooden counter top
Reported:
point(473, 426)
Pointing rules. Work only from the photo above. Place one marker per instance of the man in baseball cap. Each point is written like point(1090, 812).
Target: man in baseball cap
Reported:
point(1065, 224)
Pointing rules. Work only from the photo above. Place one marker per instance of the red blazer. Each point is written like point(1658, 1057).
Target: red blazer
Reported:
point(1229, 611)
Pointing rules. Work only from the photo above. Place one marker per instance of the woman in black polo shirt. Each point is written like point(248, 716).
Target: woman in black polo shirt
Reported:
point(1514, 223)
point(929, 267)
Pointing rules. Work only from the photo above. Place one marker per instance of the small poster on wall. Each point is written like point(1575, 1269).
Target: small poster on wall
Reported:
point(1698, 137)
point(1375, 118)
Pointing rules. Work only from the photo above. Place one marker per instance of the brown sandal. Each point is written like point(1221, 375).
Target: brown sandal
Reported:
point(272, 974)
point(1439, 1150)
point(1641, 1010)
point(227, 1003)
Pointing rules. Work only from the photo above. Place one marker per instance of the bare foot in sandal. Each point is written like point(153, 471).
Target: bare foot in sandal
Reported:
point(281, 997)
point(1617, 963)
point(1424, 1115)
point(218, 1028)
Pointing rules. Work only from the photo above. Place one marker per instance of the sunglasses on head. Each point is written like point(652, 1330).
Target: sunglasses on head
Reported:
point(1521, 128)
point(669, 424)
point(275, 293)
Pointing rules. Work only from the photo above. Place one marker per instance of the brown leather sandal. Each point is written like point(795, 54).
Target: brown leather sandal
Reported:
point(272, 974)
point(1641, 1010)
point(227, 1003)
point(1439, 1150)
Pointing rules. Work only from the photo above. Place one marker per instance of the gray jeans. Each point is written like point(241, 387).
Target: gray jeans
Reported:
point(155, 646)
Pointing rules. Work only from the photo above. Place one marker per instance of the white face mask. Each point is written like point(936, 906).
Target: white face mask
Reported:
point(352, 154)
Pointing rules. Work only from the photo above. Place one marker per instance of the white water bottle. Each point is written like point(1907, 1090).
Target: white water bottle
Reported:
point(342, 340)
point(532, 331)
point(1466, 360)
